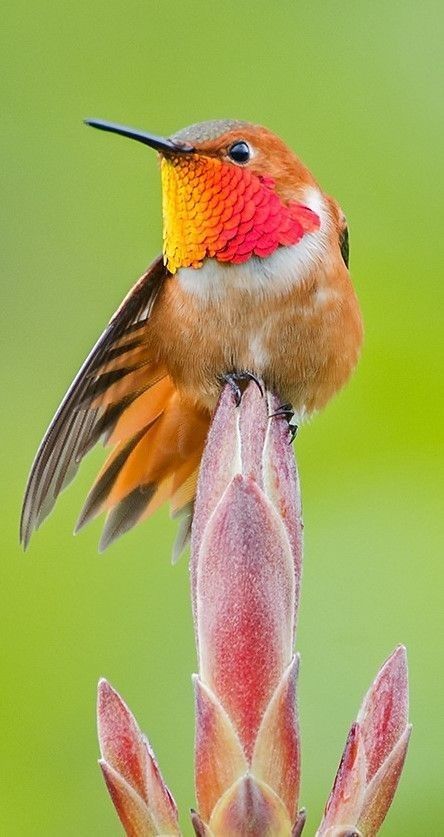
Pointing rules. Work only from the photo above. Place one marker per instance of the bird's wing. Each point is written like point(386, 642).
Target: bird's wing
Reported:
point(96, 399)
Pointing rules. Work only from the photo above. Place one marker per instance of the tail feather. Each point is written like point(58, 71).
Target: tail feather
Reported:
point(159, 440)
point(184, 486)
point(148, 404)
point(99, 492)
point(183, 532)
point(162, 493)
point(125, 515)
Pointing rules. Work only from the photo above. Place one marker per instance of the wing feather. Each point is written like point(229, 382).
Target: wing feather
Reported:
point(88, 411)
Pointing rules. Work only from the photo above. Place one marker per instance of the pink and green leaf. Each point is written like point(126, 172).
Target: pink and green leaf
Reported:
point(250, 808)
point(245, 605)
point(384, 713)
point(374, 755)
point(277, 751)
point(131, 808)
point(381, 790)
point(133, 778)
point(220, 760)
point(344, 805)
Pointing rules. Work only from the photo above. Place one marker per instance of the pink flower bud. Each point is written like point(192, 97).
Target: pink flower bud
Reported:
point(374, 755)
point(246, 567)
point(141, 798)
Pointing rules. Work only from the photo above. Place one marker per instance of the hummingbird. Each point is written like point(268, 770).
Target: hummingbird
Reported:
point(253, 282)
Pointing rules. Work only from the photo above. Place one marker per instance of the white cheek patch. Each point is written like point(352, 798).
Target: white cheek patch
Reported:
point(275, 274)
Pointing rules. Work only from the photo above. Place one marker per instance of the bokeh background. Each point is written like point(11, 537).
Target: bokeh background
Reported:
point(356, 89)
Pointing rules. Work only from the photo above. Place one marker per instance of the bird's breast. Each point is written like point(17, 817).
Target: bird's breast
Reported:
point(278, 273)
point(293, 321)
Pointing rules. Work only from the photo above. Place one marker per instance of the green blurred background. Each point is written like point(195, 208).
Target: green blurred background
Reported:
point(356, 89)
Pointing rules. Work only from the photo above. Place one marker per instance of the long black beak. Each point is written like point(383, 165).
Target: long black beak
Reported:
point(162, 144)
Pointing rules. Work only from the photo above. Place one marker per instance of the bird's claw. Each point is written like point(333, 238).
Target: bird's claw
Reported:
point(293, 428)
point(234, 378)
point(286, 411)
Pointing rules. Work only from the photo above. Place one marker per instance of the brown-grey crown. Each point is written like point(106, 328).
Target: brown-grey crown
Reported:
point(208, 131)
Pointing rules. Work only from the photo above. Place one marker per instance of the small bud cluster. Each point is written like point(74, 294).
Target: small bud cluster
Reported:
point(245, 578)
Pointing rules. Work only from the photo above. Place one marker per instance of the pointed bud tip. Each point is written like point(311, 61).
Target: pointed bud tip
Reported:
point(398, 654)
point(106, 692)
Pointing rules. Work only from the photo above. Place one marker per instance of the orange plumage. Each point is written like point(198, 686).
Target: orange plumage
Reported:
point(253, 278)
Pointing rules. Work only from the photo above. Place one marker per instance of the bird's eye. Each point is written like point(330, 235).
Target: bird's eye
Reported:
point(239, 152)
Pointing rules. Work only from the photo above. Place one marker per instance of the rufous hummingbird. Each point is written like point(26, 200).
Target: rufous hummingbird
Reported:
point(253, 281)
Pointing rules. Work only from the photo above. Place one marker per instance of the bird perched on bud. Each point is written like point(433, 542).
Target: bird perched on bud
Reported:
point(253, 280)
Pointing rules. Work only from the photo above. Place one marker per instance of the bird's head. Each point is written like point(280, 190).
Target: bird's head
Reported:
point(231, 190)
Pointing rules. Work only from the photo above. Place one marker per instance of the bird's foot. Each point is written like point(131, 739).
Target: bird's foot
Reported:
point(286, 411)
point(238, 382)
